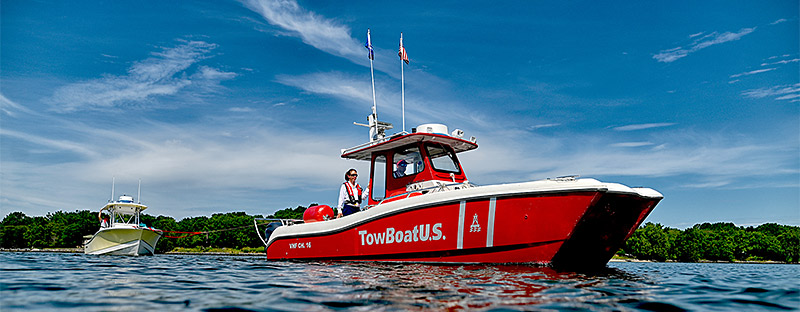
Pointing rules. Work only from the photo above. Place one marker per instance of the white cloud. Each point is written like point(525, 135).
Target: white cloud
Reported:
point(781, 62)
point(781, 92)
point(160, 75)
point(793, 96)
point(505, 156)
point(241, 109)
point(643, 126)
point(315, 30)
point(632, 144)
point(325, 34)
point(778, 21)
point(10, 107)
point(332, 84)
point(549, 125)
point(210, 164)
point(753, 72)
point(421, 106)
point(214, 74)
point(671, 55)
point(60, 145)
point(701, 185)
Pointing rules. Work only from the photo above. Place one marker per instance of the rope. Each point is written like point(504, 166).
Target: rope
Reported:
point(204, 232)
point(189, 234)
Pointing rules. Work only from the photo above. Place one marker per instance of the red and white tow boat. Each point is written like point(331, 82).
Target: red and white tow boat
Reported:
point(430, 212)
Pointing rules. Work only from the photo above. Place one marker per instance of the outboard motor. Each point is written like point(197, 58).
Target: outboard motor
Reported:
point(268, 231)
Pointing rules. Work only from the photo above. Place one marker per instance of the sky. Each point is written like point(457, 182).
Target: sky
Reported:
point(228, 106)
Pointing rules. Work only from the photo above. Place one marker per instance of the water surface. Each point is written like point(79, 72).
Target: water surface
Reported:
point(47, 281)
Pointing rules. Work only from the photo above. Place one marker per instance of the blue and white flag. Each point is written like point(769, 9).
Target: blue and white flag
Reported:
point(368, 45)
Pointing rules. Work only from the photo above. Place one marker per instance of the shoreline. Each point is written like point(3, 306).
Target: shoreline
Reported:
point(235, 252)
point(80, 250)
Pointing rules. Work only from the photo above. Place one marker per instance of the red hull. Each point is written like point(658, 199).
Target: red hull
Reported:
point(580, 228)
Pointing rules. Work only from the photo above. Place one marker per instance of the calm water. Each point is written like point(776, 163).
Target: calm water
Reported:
point(47, 281)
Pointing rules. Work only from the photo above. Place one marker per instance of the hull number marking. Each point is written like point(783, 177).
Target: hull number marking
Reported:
point(305, 245)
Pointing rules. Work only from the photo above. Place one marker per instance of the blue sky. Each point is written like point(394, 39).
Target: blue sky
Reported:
point(221, 106)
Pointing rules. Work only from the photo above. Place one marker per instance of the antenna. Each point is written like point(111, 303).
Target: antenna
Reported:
point(139, 196)
point(376, 128)
point(403, 58)
point(112, 189)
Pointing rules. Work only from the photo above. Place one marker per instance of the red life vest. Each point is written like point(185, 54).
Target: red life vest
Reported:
point(353, 199)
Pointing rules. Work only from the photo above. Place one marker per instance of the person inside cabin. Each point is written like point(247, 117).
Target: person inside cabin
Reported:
point(104, 223)
point(400, 169)
point(350, 194)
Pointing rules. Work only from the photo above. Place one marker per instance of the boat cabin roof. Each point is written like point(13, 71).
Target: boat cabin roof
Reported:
point(124, 207)
point(364, 151)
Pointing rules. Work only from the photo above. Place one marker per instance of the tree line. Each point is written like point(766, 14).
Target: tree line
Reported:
point(708, 241)
point(720, 241)
point(68, 229)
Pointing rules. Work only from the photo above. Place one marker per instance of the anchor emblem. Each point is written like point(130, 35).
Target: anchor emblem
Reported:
point(475, 227)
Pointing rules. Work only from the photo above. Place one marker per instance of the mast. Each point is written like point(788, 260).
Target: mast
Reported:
point(402, 84)
point(403, 58)
point(376, 128)
point(373, 121)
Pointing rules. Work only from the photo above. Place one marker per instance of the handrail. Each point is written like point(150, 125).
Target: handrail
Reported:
point(376, 142)
point(283, 222)
point(440, 187)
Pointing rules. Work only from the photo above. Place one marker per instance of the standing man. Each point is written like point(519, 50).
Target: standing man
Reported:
point(350, 194)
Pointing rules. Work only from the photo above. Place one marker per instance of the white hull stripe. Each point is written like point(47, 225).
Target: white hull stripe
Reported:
point(461, 208)
point(490, 225)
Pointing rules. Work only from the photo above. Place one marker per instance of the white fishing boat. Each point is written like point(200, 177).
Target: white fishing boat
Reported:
point(121, 232)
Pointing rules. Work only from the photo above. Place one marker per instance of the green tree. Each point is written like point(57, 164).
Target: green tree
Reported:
point(193, 224)
point(651, 242)
point(290, 213)
point(38, 233)
point(761, 246)
point(68, 228)
point(790, 240)
point(15, 219)
point(718, 246)
point(689, 245)
point(12, 234)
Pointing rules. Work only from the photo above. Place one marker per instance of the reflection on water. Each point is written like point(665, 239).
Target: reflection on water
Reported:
point(40, 281)
point(439, 286)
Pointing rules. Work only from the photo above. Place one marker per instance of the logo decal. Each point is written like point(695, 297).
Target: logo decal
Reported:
point(475, 227)
point(419, 233)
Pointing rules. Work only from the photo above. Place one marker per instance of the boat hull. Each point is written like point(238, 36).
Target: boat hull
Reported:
point(123, 241)
point(580, 227)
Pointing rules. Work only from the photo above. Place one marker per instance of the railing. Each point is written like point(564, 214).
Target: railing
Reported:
point(282, 221)
point(370, 143)
point(440, 187)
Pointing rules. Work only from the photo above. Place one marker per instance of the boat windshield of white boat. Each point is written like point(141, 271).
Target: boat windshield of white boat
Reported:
point(124, 210)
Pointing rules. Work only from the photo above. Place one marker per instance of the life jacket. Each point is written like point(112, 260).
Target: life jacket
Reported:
point(353, 199)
